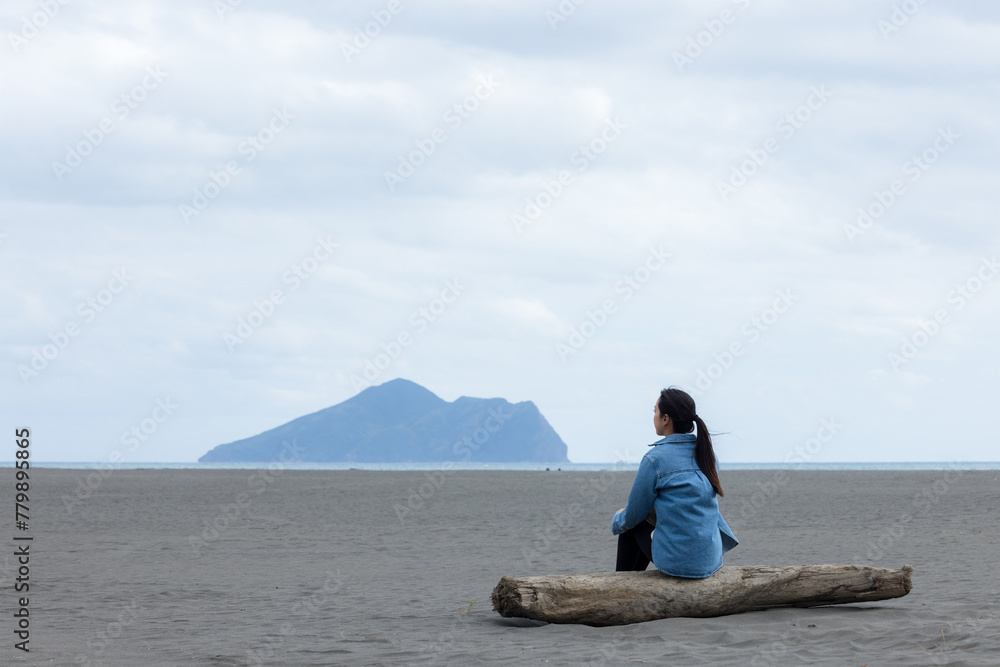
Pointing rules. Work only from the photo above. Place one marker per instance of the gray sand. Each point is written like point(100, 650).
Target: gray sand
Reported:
point(318, 568)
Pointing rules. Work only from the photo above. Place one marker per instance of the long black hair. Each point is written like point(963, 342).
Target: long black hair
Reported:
point(679, 406)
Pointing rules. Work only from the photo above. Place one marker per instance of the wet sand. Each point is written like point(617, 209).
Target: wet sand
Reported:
point(233, 567)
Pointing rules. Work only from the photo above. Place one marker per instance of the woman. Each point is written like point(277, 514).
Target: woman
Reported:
point(678, 480)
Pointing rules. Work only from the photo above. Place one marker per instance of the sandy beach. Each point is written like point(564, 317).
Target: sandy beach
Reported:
point(238, 567)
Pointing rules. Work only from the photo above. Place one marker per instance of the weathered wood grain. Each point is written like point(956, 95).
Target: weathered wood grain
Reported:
point(619, 598)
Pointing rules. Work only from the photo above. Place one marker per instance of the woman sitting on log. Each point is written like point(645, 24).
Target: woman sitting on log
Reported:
point(672, 517)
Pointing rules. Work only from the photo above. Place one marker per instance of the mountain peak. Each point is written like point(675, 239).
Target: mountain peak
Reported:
point(401, 388)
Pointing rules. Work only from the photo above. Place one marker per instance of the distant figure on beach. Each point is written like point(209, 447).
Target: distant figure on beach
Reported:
point(672, 517)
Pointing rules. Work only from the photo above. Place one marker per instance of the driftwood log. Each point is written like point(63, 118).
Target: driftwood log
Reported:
point(619, 598)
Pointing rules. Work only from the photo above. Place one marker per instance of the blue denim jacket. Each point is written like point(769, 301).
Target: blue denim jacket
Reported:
point(690, 535)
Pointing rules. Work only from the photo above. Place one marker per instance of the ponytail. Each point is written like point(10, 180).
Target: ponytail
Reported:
point(705, 456)
point(679, 406)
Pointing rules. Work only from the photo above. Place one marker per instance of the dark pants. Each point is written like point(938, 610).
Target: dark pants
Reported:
point(635, 548)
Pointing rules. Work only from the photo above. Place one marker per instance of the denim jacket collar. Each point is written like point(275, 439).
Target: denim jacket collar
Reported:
point(675, 438)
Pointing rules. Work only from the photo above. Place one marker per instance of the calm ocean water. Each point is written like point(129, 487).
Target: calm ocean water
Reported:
point(468, 465)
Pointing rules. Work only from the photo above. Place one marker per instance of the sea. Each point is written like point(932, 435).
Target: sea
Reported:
point(472, 465)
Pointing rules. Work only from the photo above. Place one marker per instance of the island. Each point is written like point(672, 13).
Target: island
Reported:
point(402, 422)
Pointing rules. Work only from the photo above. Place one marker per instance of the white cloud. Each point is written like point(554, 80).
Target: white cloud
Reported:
point(655, 184)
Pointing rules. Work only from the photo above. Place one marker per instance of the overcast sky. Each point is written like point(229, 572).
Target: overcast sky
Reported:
point(788, 208)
